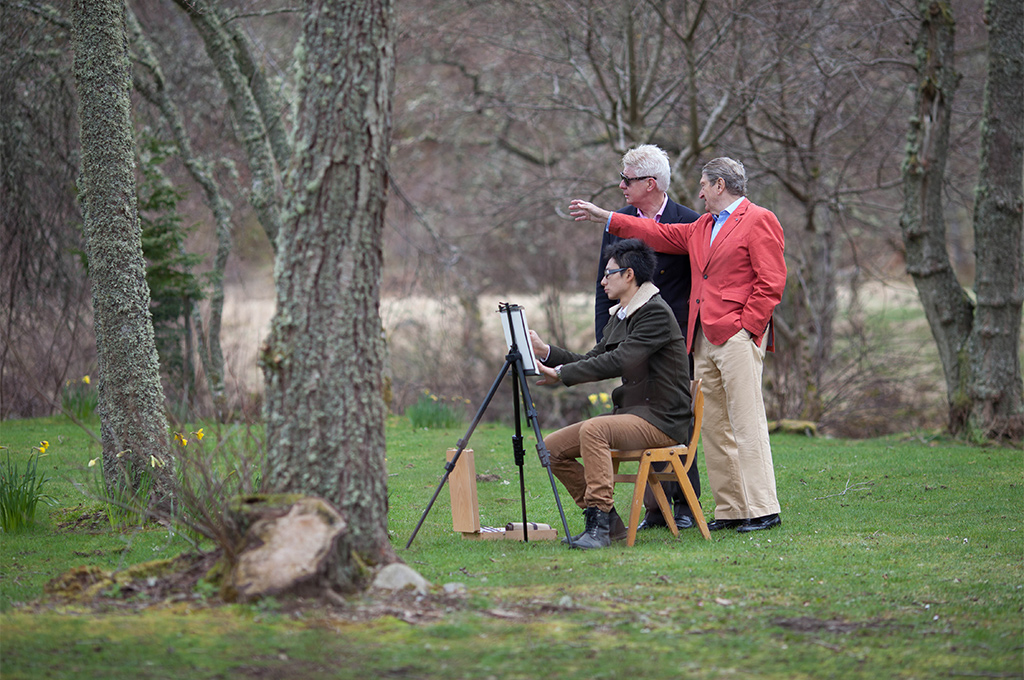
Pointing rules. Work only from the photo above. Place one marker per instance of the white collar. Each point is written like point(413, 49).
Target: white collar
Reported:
point(643, 295)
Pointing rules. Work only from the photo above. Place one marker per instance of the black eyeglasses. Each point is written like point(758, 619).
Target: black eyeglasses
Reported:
point(630, 180)
point(609, 272)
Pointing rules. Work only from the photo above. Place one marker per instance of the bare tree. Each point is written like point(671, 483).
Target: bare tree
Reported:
point(45, 330)
point(133, 424)
point(817, 129)
point(150, 81)
point(324, 358)
point(978, 340)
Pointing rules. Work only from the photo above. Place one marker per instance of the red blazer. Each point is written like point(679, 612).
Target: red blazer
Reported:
point(736, 282)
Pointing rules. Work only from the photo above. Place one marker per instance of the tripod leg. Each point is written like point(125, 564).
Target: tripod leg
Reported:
point(450, 465)
point(542, 449)
point(520, 457)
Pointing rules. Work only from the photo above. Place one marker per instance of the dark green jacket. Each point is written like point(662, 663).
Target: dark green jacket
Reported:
point(647, 350)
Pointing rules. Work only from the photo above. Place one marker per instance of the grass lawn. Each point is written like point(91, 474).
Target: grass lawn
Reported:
point(900, 557)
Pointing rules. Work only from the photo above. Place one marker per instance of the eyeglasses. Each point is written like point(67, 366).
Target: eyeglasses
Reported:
point(630, 180)
point(609, 272)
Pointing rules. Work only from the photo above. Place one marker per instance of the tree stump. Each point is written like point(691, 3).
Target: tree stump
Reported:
point(289, 546)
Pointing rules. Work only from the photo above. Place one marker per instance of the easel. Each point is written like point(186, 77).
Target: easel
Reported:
point(514, 360)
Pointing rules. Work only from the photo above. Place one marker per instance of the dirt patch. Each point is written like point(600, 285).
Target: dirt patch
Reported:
point(87, 522)
point(809, 624)
point(171, 582)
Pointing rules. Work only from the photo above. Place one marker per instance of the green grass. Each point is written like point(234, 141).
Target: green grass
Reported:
point(900, 557)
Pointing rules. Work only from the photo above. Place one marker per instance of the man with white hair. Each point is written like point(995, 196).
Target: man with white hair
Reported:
point(644, 181)
point(738, 272)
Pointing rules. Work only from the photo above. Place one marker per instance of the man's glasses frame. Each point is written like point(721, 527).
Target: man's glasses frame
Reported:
point(630, 180)
point(609, 272)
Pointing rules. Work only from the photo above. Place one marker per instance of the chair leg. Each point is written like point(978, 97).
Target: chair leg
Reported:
point(691, 497)
point(663, 504)
point(638, 501)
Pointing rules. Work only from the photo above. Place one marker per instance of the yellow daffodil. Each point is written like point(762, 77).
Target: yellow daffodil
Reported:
point(92, 463)
point(592, 398)
point(43, 445)
point(180, 439)
point(121, 453)
point(605, 398)
point(199, 434)
point(86, 379)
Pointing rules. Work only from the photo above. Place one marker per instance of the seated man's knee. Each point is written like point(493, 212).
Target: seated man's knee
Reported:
point(595, 429)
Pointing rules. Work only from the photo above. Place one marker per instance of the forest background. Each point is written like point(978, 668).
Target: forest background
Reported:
point(502, 112)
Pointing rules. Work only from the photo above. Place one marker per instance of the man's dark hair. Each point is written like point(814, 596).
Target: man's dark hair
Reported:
point(636, 255)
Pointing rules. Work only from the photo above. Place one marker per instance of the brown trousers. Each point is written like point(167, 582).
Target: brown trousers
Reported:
point(590, 483)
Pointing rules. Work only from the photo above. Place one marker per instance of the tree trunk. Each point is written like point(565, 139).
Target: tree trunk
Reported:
point(130, 393)
point(995, 384)
point(324, 360)
point(979, 354)
point(222, 47)
point(949, 310)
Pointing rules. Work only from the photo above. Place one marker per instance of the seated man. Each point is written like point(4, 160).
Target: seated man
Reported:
point(643, 345)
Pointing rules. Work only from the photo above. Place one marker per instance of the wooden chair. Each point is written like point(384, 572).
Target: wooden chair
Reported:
point(680, 458)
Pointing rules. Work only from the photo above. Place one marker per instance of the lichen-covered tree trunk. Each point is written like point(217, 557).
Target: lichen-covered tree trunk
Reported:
point(131, 396)
point(324, 359)
point(995, 384)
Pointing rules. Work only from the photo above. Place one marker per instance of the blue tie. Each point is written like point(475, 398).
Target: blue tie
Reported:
point(719, 223)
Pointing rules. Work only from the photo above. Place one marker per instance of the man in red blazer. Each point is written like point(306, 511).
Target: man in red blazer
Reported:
point(738, 273)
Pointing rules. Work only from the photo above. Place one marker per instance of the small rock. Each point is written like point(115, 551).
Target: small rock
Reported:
point(398, 576)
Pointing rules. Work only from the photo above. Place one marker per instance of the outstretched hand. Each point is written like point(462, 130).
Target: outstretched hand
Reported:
point(548, 375)
point(585, 211)
point(540, 348)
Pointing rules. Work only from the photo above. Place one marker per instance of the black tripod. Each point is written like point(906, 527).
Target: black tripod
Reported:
point(514, 360)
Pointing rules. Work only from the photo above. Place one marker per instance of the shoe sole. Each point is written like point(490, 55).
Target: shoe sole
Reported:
point(746, 529)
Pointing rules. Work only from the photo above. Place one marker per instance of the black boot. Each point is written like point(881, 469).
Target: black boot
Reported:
point(616, 527)
point(596, 533)
point(617, 530)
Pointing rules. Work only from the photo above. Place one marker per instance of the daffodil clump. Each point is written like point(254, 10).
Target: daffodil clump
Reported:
point(430, 410)
point(21, 490)
point(79, 398)
point(600, 402)
point(125, 495)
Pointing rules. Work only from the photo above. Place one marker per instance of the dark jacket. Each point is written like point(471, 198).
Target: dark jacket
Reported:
point(647, 350)
point(672, 276)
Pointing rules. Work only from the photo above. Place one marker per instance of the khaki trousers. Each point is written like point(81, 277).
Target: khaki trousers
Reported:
point(737, 452)
point(590, 483)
